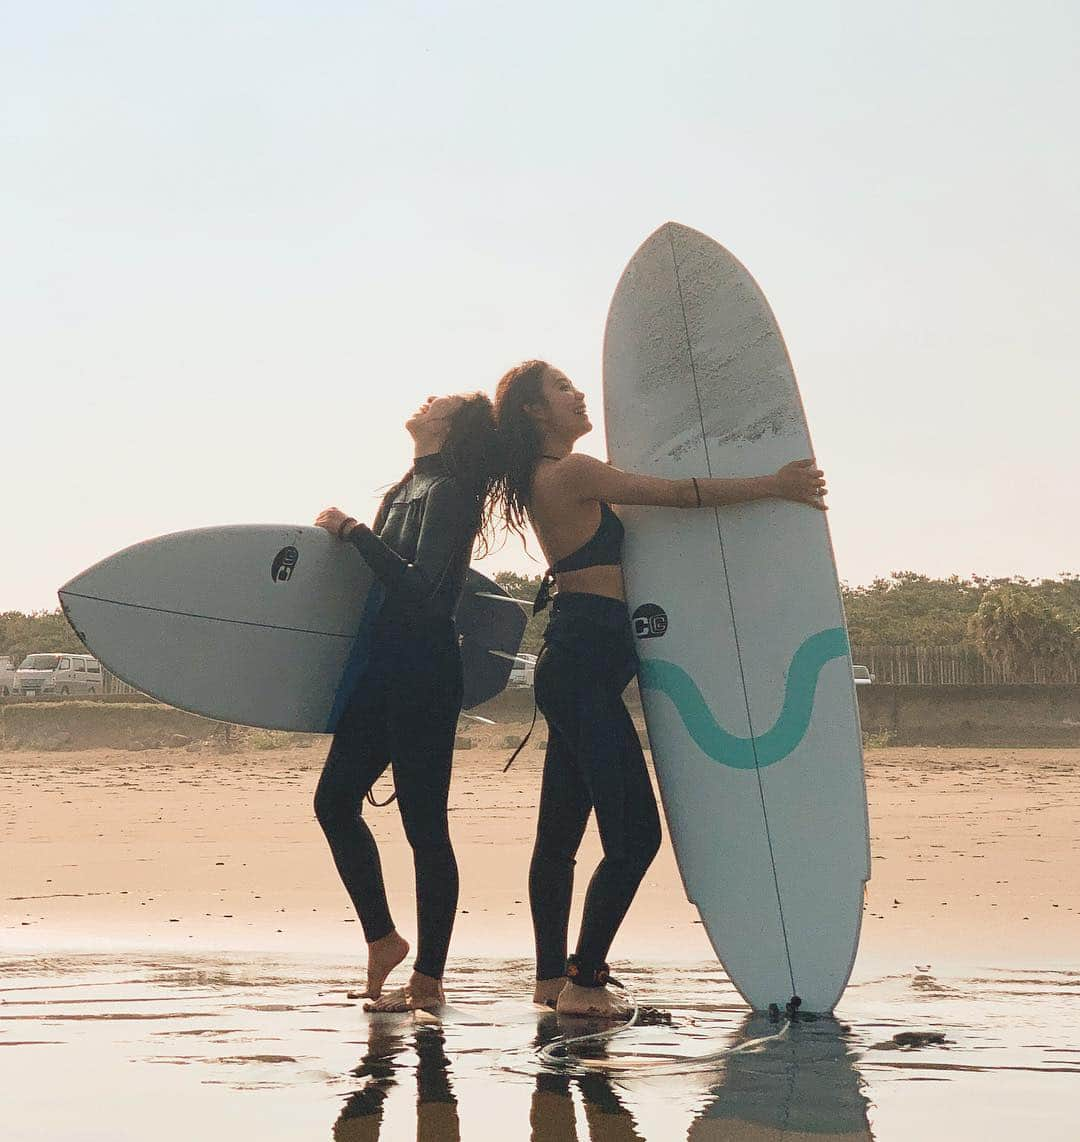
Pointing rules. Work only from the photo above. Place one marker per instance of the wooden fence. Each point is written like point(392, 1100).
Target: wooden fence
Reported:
point(953, 666)
point(112, 685)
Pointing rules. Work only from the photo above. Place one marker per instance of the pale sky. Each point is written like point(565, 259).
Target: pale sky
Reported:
point(240, 241)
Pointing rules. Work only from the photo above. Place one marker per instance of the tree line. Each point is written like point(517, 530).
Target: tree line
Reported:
point(1012, 623)
point(39, 631)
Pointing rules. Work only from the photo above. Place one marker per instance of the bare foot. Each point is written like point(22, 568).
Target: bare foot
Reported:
point(548, 991)
point(383, 956)
point(421, 993)
point(392, 1001)
point(596, 1002)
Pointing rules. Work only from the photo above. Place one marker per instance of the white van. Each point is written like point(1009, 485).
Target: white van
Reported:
point(521, 674)
point(58, 674)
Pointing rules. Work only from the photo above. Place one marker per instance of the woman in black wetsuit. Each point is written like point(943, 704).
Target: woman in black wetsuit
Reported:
point(405, 711)
point(594, 759)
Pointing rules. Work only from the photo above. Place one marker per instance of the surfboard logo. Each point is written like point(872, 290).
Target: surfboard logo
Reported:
point(649, 621)
point(284, 562)
point(785, 734)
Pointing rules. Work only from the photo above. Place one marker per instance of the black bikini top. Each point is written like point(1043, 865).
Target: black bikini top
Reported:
point(603, 548)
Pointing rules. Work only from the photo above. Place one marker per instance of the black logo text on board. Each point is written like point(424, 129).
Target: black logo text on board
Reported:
point(282, 568)
point(649, 621)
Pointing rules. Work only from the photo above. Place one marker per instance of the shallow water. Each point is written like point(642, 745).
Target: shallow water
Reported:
point(138, 1046)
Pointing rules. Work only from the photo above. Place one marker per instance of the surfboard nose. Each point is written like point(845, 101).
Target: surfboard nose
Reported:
point(73, 586)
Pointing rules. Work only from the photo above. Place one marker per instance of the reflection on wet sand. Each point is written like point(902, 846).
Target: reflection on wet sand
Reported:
point(361, 1117)
point(552, 1114)
point(802, 1084)
point(797, 1082)
point(552, 1117)
point(237, 1047)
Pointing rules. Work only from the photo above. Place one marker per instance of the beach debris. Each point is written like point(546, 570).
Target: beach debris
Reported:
point(911, 1040)
point(653, 1017)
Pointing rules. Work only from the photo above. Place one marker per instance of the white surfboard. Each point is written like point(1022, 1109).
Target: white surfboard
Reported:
point(746, 674)
point(260, 625)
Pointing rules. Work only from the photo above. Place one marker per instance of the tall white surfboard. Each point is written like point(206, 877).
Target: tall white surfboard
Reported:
point(746, 674)
point(264, 625)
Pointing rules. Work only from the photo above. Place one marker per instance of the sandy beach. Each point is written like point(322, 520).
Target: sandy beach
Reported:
point(221, 850)
point(164, 883)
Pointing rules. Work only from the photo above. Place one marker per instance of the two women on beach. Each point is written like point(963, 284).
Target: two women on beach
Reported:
point(514, 459)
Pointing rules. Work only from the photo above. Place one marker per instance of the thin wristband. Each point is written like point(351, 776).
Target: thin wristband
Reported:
point(697, 490)
point(343, 525)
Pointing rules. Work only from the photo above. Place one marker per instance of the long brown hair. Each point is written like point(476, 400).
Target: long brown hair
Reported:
point(521, 443)
point(473, 455)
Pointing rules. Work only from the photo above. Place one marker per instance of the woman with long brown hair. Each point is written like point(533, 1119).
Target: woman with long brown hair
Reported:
point(404, 712)
point(594, 760)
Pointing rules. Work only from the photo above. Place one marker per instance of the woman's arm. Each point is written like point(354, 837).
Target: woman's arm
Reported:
point(590, 479)
point(446, 522)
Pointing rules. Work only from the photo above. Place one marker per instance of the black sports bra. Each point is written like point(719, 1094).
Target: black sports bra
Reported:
point(601, 549)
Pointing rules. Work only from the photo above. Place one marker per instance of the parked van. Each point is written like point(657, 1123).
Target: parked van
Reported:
point(58, 674)
point(522, 672)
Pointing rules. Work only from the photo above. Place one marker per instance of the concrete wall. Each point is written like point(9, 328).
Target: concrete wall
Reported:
point(907, 715)
point(49, 725)
point(973, 715)
point(919, 715)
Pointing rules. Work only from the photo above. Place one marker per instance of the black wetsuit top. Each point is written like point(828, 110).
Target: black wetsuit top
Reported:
point(421, 543)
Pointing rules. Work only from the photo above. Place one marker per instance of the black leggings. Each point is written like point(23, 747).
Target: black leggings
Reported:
point(593, 761)
point(404, 713)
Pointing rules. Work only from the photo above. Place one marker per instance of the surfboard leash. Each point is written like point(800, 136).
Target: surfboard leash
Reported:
point(521, 744)
point(556, 1054)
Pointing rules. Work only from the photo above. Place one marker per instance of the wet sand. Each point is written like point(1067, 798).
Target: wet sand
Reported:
point(172, 932)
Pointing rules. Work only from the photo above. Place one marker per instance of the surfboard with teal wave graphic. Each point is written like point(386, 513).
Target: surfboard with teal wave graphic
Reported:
point(783, 737)
point(745, 668)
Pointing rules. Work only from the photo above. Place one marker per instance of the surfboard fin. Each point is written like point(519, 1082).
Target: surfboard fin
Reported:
point(512, 657)
point(525, 603)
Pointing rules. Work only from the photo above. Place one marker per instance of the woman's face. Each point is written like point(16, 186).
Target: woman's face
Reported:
point(563, 411)
point(434, 415)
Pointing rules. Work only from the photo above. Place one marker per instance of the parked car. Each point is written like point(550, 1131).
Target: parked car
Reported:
point(862, 674)
point(58, 674)
point(521, 673)
point(7, 674)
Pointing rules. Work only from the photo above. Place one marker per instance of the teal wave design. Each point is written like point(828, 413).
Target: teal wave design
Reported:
point(788, 730)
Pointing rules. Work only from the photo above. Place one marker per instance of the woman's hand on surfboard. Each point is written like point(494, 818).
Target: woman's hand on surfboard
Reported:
point(332, 519)
point(803, 482)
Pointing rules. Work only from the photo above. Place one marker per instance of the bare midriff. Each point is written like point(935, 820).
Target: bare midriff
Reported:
point(606, 580)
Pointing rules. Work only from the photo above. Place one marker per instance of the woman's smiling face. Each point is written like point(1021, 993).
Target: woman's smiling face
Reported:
point(563, 412)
